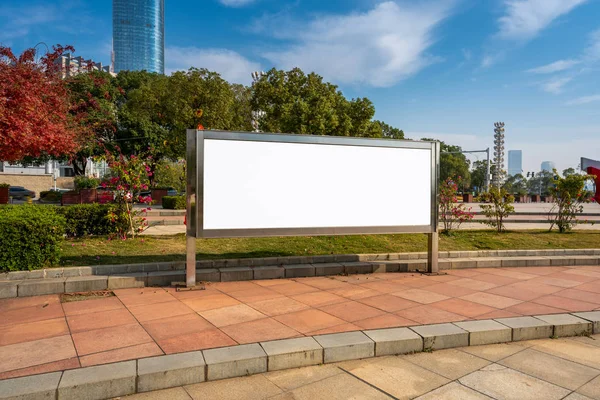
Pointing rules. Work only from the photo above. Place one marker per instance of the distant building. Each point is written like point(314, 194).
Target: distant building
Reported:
point(71, 65)
point(548, 166)
point(515, 162)
point(139, 35)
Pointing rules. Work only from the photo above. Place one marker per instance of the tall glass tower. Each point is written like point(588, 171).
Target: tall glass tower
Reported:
point(139, 35)
point(515, 162)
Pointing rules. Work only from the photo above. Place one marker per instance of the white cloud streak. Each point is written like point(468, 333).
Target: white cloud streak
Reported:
point(525, 19)
point(555, 85)
point(230, 65)
point(236, 3)
point(378, 48)
point(557, 66)
point(584, 100)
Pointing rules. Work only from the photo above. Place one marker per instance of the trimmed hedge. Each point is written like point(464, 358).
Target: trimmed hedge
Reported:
point(30, 237)
point(87, 219)
point(174, 202)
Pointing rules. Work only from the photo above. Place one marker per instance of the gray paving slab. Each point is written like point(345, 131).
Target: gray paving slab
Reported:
point(358, 267)
point(132, 280)
point(35, 387)
point(208, 275)
point(567, 324)
point(395, 341)
point(486, 332)
point(593, 317)
point(99, 382)
point(236, 274)
point(169, 371)
point(38, 287)
point(527, 328)
point(385, 266)
point(8, 289)
point(269, 272)
point(327, 269)
point(299, 270)
point(86, 283)
point(442, 336)
point(454, 391)
point(345, 346)
point(292, 353)
point(233, 361)
point(165, 278)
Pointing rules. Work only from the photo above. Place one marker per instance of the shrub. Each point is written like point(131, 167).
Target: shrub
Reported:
point(499, 208)
point(174, 202)
point(87, 219)
point(83, 182)
point(569, 196)
point(30, 237)
point(4, 185)
point(451, 213)
point(50, 196)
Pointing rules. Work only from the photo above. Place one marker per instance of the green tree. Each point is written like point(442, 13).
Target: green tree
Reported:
point(569, 196)
point(499, 206)
point(453, 163)
point(516, 184)
point(390, 132)
point(541, 183)
point(478, 175)
point(569, 171)
point(294, 102)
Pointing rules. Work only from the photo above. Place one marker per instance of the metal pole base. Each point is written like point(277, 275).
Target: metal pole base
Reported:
point(432, 253)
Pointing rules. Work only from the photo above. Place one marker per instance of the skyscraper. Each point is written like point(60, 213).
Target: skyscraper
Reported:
point(548, 166)
point(515, 162)
point(139, 35)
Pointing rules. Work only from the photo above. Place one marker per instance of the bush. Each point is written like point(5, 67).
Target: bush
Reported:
point(4, 185)
point(87, 219)
point(569, 196)
point(50, 196)
point(31, 237)
point(83, 182)
point(174, 202)
point(499, 208)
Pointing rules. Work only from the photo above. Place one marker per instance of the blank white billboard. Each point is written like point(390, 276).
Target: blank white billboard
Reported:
point(342, 185)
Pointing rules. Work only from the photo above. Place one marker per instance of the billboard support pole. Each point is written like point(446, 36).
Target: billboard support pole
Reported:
point(433, 238)
point(190, 193)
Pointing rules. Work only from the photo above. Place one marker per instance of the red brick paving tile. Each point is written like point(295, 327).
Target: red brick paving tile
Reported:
point(497, 314)
point(124, 354)
point(384, 286)
point(176, 326)
point(231, 315)
point(272, 282)
point(399, 277)
point(463, 307)
point(208, 339)
point(579, 295)
point(25, 302)
point(33, 331)
point(347, 327)
point(564, 303)
point(253, 295)
point(55, 366)
point(450, 290)
point(510, 274)
point(582, 272)
point(465, 273)
point(384, 321)
point(564, 283)
point(160, 310)
point(389, 303)
point(37, 352)
point(351, 311)
point(259, 331)
point(146, 298)
point(444, 278)
point(103, 319)
point(539, 270)
point(324, 283)
point(574, 277)
point(30, 314)
point(105, 339)
point(355, 293)
point(420, 296)
point(536, 287)
point(309, 320)
point(91, 306)
point(429, 315)
point(473, 284)
point(316, 299)
point(138, 291)
point(528, 308)
point(514, 292)
point(290, 289)
point(230, 287)
point(491, 300)
point(210, 302)
point(593, 287)
point(357, 279)
point(420, 283)
point(192, 294)
point(281, 305)
point(495, 279)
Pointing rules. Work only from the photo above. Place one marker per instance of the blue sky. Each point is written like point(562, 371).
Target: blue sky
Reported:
point(439, 68)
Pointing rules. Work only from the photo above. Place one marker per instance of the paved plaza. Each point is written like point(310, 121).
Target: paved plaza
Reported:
point(41, 334)
point(549, 369)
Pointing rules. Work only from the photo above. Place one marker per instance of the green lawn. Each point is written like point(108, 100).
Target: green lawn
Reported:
point(94, 251)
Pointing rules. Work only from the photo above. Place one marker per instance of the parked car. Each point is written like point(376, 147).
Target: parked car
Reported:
point(20, 193)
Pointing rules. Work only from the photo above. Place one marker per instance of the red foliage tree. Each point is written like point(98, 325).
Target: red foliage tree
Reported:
point(34, 106)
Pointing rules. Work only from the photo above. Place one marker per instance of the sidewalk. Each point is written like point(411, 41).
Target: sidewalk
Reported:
point(40, 334)
point(542, 369)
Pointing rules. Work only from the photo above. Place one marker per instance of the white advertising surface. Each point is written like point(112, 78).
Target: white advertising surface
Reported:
point(256, 185)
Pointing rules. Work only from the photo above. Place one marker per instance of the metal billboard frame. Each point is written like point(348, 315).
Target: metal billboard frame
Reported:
point(195, 193)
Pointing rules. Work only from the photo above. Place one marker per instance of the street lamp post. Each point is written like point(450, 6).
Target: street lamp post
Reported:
point(498, 177)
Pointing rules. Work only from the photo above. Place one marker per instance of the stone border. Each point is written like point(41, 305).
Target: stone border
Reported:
point(162, 372)
point(106, 277)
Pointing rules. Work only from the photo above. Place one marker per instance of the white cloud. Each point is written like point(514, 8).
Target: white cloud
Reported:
point(231, 65)
point(236, 3)
point(524, 19)
point(557, 66)
point(592, 53)
point(380, 47)
point(489, 60)
point(584, 100)
point(555, 85)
